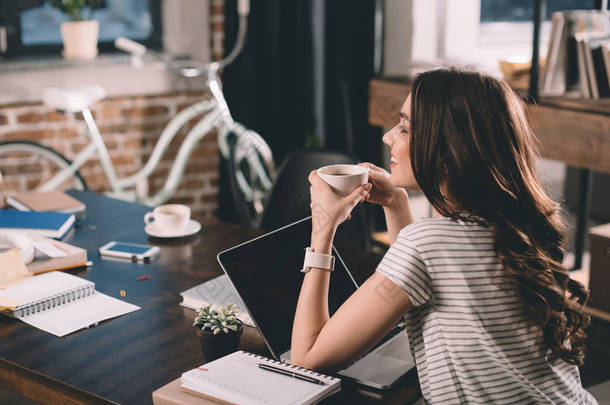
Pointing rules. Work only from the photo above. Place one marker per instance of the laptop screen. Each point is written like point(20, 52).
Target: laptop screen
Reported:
point(266, 272)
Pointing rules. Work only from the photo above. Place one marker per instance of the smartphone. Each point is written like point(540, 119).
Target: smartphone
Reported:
point(129, 251)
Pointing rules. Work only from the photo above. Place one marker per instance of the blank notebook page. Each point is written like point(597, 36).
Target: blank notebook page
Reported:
point(84, 308)
point(237, 378)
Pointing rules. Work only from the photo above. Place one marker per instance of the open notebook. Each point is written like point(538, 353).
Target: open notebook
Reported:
point(60, 303)
point(237, 379)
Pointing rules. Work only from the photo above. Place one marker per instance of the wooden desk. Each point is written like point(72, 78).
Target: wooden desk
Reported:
point(124, 360)
point(576, 132)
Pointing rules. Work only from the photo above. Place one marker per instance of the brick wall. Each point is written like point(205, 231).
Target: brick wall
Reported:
point(130, 127)
point(217, 29)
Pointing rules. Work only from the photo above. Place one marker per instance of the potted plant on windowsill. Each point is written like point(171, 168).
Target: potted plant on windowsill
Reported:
point(218, 330)
point(80, 34)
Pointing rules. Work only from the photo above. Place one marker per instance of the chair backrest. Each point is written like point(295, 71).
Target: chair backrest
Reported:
point(289, 199)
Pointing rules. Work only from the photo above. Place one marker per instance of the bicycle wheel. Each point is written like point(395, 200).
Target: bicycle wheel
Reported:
point(251, 171)
point(27, 166)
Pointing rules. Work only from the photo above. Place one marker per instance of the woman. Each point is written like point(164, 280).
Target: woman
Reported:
point(492, 315)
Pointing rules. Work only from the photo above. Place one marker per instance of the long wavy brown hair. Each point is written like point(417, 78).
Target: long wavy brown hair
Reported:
point(473, 155)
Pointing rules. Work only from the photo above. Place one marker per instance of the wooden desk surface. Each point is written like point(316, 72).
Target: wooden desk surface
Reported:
point(124, 360)
point(576, 132)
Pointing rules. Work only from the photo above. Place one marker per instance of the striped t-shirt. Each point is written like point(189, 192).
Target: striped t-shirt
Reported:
point(471, 335)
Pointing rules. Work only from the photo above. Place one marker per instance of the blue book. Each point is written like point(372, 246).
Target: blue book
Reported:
point(49, 224)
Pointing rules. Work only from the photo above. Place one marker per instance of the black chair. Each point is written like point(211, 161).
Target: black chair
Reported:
point(290, 201)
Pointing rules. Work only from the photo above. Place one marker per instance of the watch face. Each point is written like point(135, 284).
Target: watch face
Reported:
point(319, 260)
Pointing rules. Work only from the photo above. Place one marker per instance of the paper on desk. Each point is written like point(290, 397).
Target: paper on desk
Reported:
point(49, 248)
point(12, 269)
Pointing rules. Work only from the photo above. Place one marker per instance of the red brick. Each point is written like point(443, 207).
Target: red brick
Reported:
point(68, 133)
point(118, 160)
point(198, 166)
point(34, 183)
point(29, 118)
point(141, 127)
point(139, 112)
point(133, 143)
point(97, 187)
point(192, 185)
point(54, 116)
point(58, 146)
point(79, 116)
point(207, 153)
point(96, 180)
point(111, 111)
point(212, 198)
point(78, 146)
point(183, 200)
point(35, 135)
point(13, 169)
point(217, 9)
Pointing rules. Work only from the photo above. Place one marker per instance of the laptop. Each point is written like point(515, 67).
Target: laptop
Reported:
point(265, 272)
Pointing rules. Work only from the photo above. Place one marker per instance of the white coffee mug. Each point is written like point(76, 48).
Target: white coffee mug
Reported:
point(344, 178)
point(169, 217)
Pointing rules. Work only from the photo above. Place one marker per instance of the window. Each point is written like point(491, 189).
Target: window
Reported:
point(505, 31)
point(33, 25)
point(522, 10)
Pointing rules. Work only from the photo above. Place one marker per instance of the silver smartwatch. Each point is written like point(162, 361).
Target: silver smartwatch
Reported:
point(317, 260)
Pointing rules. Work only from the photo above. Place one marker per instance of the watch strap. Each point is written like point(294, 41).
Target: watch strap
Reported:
point(317, 260)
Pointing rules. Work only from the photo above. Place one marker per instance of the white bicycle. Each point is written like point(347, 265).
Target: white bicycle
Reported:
point(249, 159)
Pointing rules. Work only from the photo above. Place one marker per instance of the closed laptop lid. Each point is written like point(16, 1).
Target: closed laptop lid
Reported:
point(266, 273)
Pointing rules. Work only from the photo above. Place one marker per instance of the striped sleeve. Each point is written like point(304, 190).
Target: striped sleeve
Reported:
point(404, 266)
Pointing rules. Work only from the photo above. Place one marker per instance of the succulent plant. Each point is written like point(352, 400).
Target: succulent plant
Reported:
point(216, 320)
point(74, 8)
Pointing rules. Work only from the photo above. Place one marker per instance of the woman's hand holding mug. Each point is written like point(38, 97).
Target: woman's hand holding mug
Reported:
point(383, 192)
point(329, 209)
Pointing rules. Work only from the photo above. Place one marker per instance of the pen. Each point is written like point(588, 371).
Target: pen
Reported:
point(290, 374)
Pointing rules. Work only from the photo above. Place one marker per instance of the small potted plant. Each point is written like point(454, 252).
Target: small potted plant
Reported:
point(80, 34)
point(218, 329)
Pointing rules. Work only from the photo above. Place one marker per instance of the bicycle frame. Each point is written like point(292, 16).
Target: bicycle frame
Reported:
point(215, 113)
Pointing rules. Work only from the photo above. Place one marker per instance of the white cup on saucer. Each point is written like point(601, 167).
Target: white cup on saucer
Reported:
point(344, 178)
point(169, 218)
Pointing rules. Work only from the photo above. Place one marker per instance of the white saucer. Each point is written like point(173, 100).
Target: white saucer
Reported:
point(191, 228)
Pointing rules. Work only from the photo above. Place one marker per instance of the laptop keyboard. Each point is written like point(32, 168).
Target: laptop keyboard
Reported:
point(390, 335)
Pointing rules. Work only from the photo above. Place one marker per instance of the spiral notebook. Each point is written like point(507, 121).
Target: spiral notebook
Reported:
point(237, 379)
point(61, 303)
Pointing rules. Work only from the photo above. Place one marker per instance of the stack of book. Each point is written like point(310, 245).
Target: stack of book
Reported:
point(54, 200)
point(36, 223)
point(594, 64)
point(577, 61)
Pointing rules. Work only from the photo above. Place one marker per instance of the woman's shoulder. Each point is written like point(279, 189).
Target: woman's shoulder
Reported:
point(430, 227)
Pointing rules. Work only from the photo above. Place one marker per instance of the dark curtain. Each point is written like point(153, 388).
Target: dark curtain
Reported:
point(269, 87)
point(349, 68)
point(350, 46)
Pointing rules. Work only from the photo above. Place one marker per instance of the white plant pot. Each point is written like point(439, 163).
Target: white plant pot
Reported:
point(80, 39)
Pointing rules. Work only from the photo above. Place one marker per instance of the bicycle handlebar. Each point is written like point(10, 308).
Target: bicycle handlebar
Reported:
point(129, 46)
point(243, 7)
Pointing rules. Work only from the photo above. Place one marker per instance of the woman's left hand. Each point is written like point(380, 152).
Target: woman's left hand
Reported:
point(329, 209)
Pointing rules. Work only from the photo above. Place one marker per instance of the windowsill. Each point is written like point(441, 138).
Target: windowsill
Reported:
point(503, 40)
point(24, 80)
